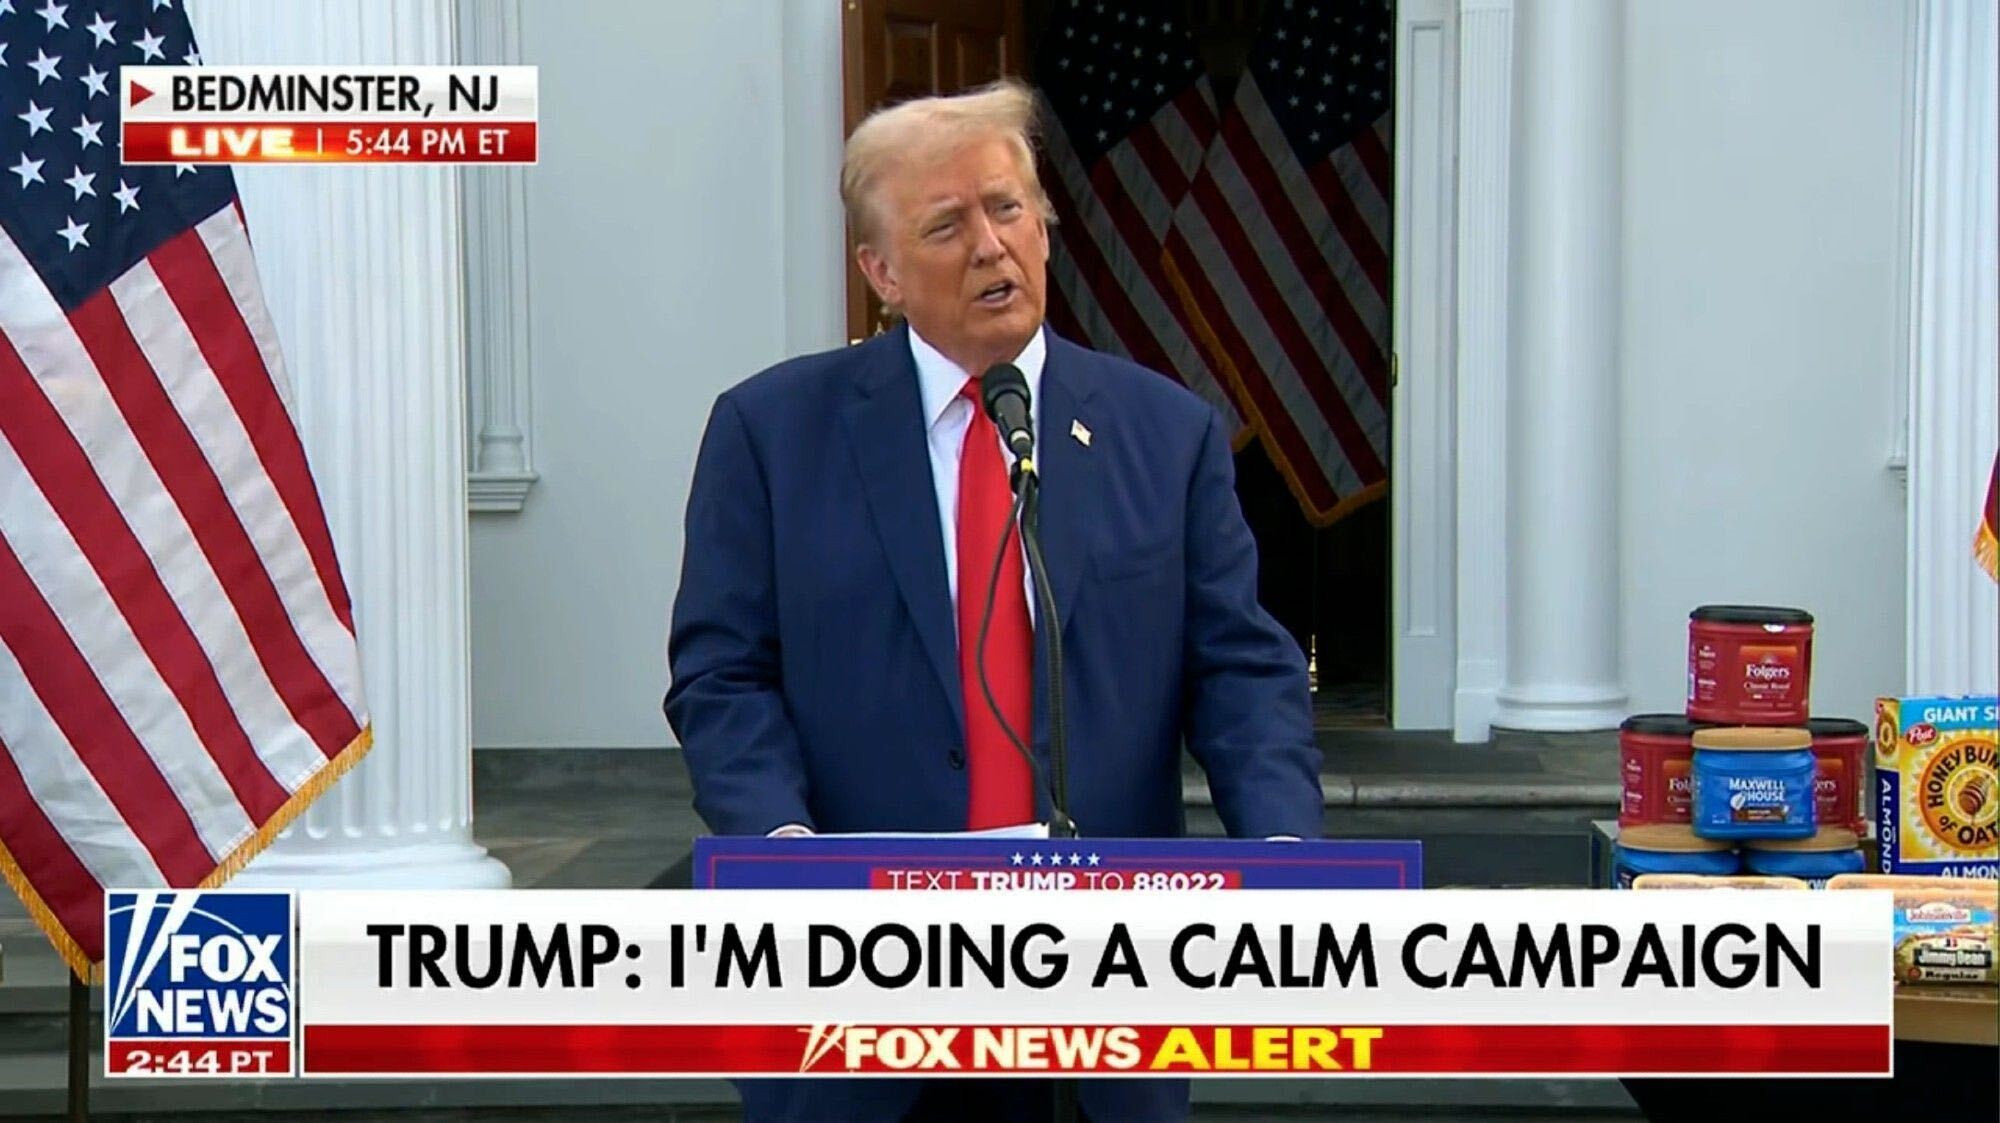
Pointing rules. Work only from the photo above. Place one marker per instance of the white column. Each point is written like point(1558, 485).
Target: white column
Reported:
point(1953, 617)
point(362, 270)
point(1562, 459)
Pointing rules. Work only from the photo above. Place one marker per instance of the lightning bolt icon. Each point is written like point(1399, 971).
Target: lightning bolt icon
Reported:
point(821, 1039)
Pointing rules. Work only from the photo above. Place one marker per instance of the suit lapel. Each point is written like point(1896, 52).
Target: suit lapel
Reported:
point(885, 428)
point(1070, 480)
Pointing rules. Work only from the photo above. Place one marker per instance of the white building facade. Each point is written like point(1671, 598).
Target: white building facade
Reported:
point(1694, 303)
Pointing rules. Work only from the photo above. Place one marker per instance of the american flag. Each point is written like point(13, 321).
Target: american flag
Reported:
point(178, 672)
point(1244, 252)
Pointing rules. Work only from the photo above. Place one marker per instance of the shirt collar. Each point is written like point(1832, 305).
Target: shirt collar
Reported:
point(939, 379)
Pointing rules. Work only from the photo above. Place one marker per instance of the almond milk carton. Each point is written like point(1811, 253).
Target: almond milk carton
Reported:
point(1937, 785)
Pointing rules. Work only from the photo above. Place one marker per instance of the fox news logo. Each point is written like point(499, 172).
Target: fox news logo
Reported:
point(198, 982)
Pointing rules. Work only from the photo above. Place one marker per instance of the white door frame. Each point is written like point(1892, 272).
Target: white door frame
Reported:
point(1448, 469)
point(1421, 531)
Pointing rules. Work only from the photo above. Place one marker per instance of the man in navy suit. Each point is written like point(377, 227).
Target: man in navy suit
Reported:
point(846, 515)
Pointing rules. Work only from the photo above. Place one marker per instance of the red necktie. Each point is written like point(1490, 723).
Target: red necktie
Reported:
point(1000, 788)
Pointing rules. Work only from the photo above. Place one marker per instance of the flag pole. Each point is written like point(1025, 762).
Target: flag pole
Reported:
point(79, 1050)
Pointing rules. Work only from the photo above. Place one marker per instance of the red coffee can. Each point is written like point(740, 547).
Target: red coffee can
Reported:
point(1655, 755)
point(1840, 784)
point(1749, 665)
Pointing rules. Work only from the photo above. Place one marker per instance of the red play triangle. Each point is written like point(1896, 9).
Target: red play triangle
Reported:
point(140, 93)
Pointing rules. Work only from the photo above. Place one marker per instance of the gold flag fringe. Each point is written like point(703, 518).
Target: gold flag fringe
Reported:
point(1986, 548)
point(1257, 428)
point(72, 953)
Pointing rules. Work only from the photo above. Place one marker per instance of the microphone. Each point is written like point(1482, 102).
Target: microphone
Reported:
point(1004, 393)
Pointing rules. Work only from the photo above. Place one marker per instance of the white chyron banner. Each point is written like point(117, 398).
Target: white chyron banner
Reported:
point(841, 982)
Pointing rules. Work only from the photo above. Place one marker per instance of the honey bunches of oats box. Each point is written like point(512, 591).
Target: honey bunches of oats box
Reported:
point(1937, 785)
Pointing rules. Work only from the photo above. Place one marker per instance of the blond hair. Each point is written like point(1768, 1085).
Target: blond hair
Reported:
point(936, 126)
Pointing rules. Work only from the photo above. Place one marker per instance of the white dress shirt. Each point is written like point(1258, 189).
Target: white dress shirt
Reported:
point(946, 416)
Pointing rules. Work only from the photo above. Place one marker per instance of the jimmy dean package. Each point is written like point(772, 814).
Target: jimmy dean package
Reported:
point(1944, 927)
point(1937, 787)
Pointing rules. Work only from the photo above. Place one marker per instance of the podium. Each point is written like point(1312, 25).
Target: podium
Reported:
point(1000, 864)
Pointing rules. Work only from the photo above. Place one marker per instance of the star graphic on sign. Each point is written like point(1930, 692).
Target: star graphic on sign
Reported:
point(52, 15)
point(3, 54)
point(30, 171)
point(37, 119)
point(6, 6)
point(1034, 859)
point(100, 29)
point(1055, 859)
point(86, 131)
point(80, 182)
point(158, 4)
point(1017, 857)
point(73, 234)
point(44, 67)
point(1075, 859)
point(127, 196)
point(182, 169)
point(1093, 859)
point(93, 80)
point(149, 46)
point(192, 58)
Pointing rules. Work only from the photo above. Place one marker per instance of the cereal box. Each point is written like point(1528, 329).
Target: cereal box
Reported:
point(1937, 785)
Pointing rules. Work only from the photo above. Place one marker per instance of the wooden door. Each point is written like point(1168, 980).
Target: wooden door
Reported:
point(899, 49)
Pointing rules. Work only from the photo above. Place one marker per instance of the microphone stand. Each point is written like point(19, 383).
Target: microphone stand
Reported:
point(1026, 516)
point(1028, 485)
point(1028, 490)
point(1055, 782)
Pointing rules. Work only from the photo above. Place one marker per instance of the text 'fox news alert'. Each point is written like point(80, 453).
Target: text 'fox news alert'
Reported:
point(198, 983)
point(329, 114)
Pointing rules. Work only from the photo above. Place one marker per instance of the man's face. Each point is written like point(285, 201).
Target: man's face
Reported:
point(961, 246)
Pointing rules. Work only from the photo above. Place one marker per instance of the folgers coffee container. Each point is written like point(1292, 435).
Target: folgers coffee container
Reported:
point(1828, 853)
point(1749, 665)
point(1667, 849)
point(1753, 783)
point(1655, 759)
point(1840, 763)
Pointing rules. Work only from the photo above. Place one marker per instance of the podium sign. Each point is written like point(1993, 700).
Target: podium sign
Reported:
point(973, 864)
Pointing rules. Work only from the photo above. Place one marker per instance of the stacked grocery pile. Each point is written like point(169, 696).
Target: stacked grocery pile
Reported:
point(1745, 782)
point(1746, 790)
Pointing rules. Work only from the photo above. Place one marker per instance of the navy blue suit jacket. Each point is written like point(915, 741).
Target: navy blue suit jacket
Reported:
point(814, 656)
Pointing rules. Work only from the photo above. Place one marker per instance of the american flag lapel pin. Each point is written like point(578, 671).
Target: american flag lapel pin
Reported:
point(1082, 435)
